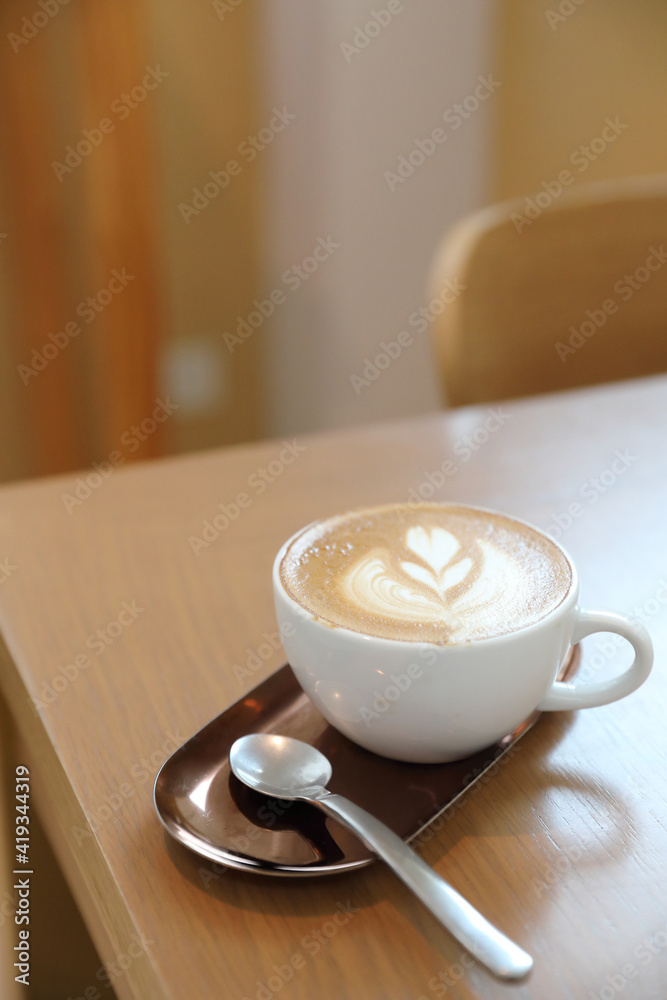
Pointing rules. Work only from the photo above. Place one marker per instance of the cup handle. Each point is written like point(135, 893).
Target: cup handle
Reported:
point(580, 694)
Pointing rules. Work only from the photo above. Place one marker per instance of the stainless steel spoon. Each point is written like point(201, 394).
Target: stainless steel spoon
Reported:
point(289, 769)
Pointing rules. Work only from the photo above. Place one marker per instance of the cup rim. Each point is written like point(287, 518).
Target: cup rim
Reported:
point(570, 598)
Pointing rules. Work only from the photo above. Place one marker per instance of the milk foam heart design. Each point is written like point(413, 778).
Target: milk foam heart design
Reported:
point(437, 548)
point(386, 585)
point(453, 585)
point(433, 573)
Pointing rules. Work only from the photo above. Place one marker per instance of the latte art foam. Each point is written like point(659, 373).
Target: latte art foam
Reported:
point(426, 572)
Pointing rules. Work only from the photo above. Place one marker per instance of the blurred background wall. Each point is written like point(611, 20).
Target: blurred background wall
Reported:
point(214, 215)
point(568, 65)
point(359, 163)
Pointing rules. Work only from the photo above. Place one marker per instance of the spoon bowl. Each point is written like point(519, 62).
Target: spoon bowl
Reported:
point(280, 766)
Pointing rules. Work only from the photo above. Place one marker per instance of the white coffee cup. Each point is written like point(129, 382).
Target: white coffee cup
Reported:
point(426, 702)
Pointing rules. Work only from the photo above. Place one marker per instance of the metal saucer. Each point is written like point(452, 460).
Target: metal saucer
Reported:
point(204, 807)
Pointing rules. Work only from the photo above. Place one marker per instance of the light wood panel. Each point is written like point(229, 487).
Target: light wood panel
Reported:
point(80, 208)
point(564, 848)
point(79, 201)
point(119, 220)
point(33, 252)
point(213, 100)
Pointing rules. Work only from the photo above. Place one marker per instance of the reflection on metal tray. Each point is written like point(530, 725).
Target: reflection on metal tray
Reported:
point(207, 809)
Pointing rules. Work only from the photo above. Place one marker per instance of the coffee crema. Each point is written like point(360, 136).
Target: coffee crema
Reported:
point(438, 573)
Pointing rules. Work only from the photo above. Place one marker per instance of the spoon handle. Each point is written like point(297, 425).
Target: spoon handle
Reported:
point(481, 938)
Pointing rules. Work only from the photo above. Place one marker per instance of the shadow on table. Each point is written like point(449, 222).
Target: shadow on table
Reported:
point(283, 895)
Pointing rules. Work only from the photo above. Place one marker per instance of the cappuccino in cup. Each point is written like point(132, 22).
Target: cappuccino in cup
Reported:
point(426, 632)
point(426, 573)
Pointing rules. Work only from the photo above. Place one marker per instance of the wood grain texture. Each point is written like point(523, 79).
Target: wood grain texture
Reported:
point(572, 296)
point(117, 81)
point(564, 848)
point(39, 279)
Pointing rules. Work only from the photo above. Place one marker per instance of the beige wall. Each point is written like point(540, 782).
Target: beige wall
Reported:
point(565, 75)
point(357, 113)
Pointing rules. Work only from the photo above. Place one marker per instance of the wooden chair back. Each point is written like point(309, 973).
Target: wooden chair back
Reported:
point(554, 291)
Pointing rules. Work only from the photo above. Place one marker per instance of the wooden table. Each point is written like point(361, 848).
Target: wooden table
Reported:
point(564, 848)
